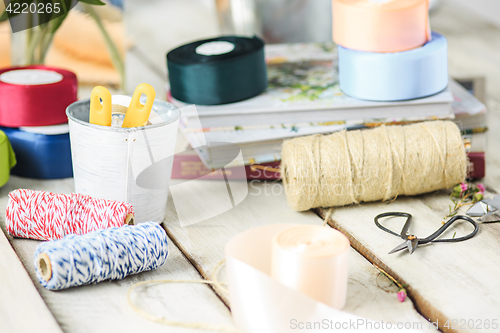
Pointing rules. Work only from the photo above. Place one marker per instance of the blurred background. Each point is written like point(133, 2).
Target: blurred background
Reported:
point(143, 31)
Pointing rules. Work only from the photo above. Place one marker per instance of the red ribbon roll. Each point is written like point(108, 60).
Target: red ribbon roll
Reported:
point(25, 100)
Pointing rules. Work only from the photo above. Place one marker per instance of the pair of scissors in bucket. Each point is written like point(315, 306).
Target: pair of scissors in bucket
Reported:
point(411, 241)
point(136, 114)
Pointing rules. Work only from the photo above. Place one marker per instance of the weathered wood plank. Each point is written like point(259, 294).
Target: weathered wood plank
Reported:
point(446, 281)
point(104, 307)
point(22, 309)
point(203, 243)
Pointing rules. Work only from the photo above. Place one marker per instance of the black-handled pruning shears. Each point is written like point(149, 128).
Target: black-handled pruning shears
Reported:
point(411, 241)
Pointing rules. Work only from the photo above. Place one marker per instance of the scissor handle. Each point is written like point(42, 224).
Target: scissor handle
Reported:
point(432, 238)
point(393, 214)
point(138, 114)
point(100, 114)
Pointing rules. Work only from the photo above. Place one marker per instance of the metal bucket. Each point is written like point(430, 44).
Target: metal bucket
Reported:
point(277, 21)
point(125, 164)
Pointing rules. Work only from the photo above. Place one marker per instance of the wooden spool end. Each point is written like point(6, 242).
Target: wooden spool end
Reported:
point(130, 219)
point(118, 109)
point(44, 266)
point(121, 109)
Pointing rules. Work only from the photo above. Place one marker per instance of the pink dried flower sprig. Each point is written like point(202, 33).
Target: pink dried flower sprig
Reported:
point(466, 191)
point(401, 295)
point(465, 194)
point(402, 291)
point(480, 188)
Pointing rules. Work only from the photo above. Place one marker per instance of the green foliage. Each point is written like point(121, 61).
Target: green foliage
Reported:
point(93, 2)
point(464, 194)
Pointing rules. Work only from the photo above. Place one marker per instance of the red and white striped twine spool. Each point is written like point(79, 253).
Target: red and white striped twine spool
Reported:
point(48, 216)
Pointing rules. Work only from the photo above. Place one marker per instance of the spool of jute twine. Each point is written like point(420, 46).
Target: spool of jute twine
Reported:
point(370, 165)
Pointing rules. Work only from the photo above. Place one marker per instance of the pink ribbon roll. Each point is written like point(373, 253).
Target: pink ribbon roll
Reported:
point(313, 261)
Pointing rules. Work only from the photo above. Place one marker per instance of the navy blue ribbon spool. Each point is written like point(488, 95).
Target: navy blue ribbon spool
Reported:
point(217, 71)
point(40, 156)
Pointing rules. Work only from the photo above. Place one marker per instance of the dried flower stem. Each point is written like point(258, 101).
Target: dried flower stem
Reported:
point(400, 286)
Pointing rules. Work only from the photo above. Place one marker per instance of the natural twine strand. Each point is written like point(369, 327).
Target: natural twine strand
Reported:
point(370, 165)
point(204, 326)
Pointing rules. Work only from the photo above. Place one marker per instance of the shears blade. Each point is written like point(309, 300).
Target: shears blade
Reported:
point(410, 244)
point(479, 209)
point(495, 202)
point(490, 217)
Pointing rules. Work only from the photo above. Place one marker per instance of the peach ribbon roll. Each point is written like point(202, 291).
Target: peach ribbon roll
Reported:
point(313, 261)
point(381, 25)
point(277, 272)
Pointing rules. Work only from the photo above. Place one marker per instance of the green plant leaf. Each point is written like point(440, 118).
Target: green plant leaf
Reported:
point(93, 2)
point(5, 15)
point(65, 7)
point(43, 16)
point(113, 50)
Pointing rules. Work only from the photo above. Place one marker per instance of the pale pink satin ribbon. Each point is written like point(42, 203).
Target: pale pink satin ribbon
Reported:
point(261, 304)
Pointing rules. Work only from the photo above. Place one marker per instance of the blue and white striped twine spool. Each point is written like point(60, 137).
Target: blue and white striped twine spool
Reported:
point(109, 254)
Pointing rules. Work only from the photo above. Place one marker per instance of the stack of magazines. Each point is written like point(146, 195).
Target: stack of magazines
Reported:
point(304, 98)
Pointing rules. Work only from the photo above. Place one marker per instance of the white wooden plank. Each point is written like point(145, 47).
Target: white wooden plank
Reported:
point(104, 307)
point(203, 243)
point(447, 281)
point(22, 309)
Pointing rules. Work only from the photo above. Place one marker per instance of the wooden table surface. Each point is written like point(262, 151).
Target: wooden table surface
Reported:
point(452, 282)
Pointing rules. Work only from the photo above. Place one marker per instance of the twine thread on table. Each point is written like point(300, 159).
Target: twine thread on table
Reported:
point(370, 165)
point(109, 254)
point(194, 325)
point(47, 216)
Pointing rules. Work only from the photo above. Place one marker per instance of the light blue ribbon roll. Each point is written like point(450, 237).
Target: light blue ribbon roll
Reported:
point(396, 76)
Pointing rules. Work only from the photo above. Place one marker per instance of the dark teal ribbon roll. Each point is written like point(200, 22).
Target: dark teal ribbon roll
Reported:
point(40, 156)
point(219, 78)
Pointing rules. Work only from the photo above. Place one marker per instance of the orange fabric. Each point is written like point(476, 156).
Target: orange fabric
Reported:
point(80, 47)
point(80, 38)
point(4, 44)
point(378, 26)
